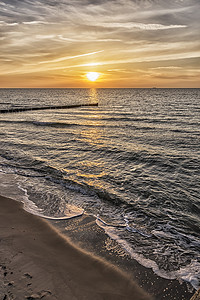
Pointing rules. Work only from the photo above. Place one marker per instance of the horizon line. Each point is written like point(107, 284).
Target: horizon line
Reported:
point(153, 87)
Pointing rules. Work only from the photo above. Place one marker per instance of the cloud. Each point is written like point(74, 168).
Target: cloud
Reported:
point(34, 22)
point(2, 23)
point(141, 26)
point(166, 68)
point(48, 34)
point(90, 38)
point(69, 57)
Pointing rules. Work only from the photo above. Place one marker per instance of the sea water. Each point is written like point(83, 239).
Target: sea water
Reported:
point(133, 162)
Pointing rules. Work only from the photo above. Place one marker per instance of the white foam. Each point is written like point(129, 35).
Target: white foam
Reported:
point(109, 224)
point(193, 278)
point(189, 273)
point(70, 211)
point(76, 213)
point(11, 187)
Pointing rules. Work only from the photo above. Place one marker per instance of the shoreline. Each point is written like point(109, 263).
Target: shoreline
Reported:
point(81, 239)
point(84, 232)
point(37, 262)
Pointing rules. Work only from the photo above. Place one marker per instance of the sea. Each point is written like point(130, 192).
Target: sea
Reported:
point(132, 162)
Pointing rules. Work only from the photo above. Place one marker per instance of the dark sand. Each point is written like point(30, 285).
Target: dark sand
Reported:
point(196, 295)
point(36, 262)
point(84, 232)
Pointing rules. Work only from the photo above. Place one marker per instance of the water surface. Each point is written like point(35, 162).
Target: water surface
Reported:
point(133, 162)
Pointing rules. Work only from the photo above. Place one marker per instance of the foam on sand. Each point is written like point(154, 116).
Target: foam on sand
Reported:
point(36, 261)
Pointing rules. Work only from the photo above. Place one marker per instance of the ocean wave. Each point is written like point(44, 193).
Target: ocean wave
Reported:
point(189, 272)
point(133, 164)
point(140, 125)
point(39, 123)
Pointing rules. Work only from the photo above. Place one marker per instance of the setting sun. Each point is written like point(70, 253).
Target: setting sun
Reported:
point(92, 76)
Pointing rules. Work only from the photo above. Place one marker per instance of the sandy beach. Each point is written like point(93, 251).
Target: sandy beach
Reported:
point(84, 232)
point(36, 262)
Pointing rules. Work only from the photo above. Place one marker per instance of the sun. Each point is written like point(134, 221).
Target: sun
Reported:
point(92, 76)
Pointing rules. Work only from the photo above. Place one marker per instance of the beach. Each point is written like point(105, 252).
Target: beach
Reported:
point(117, 181)
point(99, 150)
point(36, 262)
point(84, 232)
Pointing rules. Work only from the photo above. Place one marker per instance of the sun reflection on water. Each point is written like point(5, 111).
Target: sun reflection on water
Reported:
point(93, 96)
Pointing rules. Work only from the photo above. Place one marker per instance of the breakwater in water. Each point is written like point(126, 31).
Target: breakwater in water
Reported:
point(13, 110)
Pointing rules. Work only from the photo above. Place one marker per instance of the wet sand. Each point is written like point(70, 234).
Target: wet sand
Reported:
point(85, 233)
point(37, 262)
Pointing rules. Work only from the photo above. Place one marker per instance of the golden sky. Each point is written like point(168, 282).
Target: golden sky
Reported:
point(131, 43)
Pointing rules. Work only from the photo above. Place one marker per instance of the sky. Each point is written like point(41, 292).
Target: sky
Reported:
point(130, 43)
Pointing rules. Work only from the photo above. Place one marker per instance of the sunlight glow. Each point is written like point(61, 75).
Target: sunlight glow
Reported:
point(92, 76)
